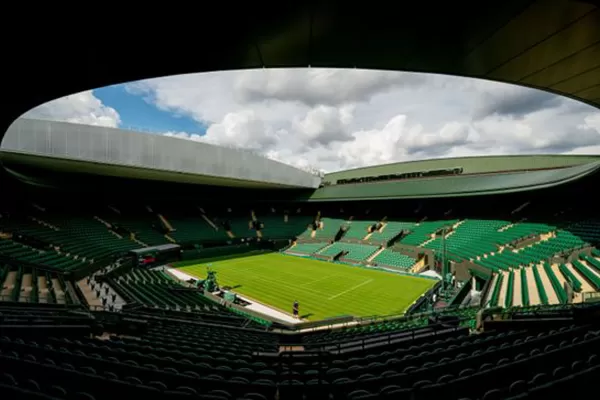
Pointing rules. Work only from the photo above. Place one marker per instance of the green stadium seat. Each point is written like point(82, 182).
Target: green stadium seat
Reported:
point(391, 258)
point(356, 252)
point(307, 248)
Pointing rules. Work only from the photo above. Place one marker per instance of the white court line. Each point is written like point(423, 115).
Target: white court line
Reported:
point(351, 289)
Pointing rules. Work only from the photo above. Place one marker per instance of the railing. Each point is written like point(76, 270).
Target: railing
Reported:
point(20, 263)
point(375, 340)
point(539, 310)
point(591, 297)
point(26, 302)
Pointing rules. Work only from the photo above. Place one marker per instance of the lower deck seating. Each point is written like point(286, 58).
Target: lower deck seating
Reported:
point(33, 285)
point(390, 230)
point(195, 229)
point(359, 229)
point(307, 248)
point(158, 289)
point(327, 228)
point(48, 256)
point(81, 236)
point(283, 227)
point(533, 254)
point(392, 258)
point(141, 228)
point(422, 232)
point(353, 251)
point(177, 359)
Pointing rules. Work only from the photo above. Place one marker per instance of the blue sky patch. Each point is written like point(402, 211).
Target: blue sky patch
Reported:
point(136, 113)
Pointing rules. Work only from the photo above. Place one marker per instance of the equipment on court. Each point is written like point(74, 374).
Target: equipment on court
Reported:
point(210, 283)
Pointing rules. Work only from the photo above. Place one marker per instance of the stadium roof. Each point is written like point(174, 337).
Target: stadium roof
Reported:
point(553, 45)
point(458, 185)
point(68, 147)
point(470, 165)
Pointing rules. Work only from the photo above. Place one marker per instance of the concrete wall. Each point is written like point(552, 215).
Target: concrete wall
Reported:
point(462, 270)
point(412, 251)
point(122, 147)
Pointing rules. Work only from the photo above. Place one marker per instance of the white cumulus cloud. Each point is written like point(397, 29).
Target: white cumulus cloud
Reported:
point(335, 119)
point(81, 108)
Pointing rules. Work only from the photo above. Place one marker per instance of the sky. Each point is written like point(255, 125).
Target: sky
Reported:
point(339, 119)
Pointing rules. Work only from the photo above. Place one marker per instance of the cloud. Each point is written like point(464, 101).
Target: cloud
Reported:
point(515, 102)
point(314, 87)
point(336, 119)
point(82, 108)
point(243, 129)
point(324, 125)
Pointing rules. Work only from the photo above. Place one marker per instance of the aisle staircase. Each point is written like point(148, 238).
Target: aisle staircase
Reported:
point(44, 223)
point(103, 222)
point(517, 290)
point(371, 257)
point(89, 294)
point(550, 293)
point(116, 211)
point(324, 248)
point(170, 239)
point(165, 222)
point(418, 267)
point(135, 239)
point(534, 294)
point(208, 221)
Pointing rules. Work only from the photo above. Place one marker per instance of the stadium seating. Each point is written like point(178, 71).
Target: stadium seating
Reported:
point(519, 254)
point(157, 289)
point(279, 227)
point(588, 273)
point(390, 230)
point(327, 230)
point(540, 284)
point(389, 257)
point(588, 230)
point(422, 232)
point(535, 253)
point(77, 236)
point(188, 345)
point(471, 238)
point(49, 256)
point(32, 285)
point(241, 226)
point(136, 221)
point(307, 248)
point(359, 229)
point(355, 252)
point(73, 357)
point(195, 229)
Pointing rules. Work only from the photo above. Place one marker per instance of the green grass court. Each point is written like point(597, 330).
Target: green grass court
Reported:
point(323, 289)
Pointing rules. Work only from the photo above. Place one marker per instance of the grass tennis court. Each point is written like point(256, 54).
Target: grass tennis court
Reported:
point(323, 289)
